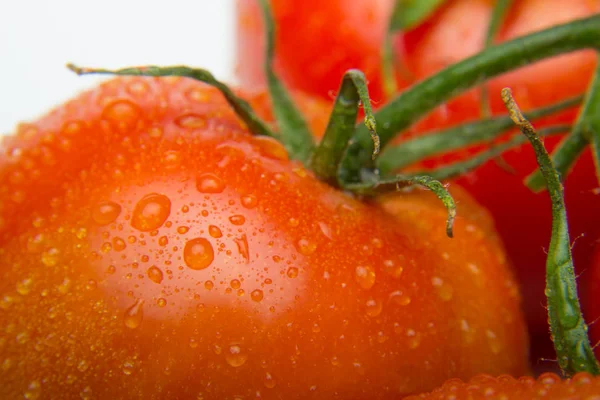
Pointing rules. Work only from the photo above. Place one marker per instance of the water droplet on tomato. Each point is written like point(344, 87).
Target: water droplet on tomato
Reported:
point(306, 247)
point(292, 272)
point(237, 219)
point(171, 159)
point(155, 274)
point(235, 355)
point(122, 114)
point(151, 212)
point(182, 230)
point(444, 290)
point(399, 298)
point(163, 241)
point(257, 295)
point(24, 286)
point(209, 183)
point(242, 245)
point(134, 315)
point(191, 121)
point(128, 367)
point(198, 253)
point(118, 244)
point(214, 231)
point(34, 391)
point(249, 201)
point(208, 285)
point(468, 333)
point(235, 284)
point(365, 276)
point(270, 147)
point(373, 307)
point(106, 212)
point(269, 381)
point(86, 393)
point(51, 257)
point(493, 342)
point(161, 302)
point(35, 244)
point(414, 339)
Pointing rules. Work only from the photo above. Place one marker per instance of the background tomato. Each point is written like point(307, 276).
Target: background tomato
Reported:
point(546, 386)
point(152, 248)
point(454, 32)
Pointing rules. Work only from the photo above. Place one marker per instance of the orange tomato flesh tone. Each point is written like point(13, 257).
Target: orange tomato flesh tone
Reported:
point(151, 247)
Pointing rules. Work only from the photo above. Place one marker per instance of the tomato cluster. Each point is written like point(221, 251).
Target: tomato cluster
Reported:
point(153, 245)
point(454, 32)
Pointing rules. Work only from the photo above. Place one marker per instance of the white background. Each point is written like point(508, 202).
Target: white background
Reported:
point(38, 37)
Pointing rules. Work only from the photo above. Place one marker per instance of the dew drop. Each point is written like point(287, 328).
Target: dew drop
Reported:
point(373, 307)
point(191, 121)
point(414, 339)
point(182, 230)
point(292, 272)
point(198, 253)
point(155, 274)
point(161, 302)
point(118, 244)
point(106, 213)
point(493, 342)
point(34, 391)
point(444, 291)
point(235, 355)
point(86, 393)
point(235, 284)
point(50, 257)
point(208, 285)
point(237, 219)
point(249, 201)
point(242, 245)
point(365, 277)
point(468, 333)
point(270, 147)
point(269, 382)
point(163, 241)
point(122, 114)
point(209, 183)
point(134, 315)
point(306, 247)
point(171, 159)
point(35, 244)
point(128, 367)
point(399, 298)
point(257, 295)
point(24, 286)
point(151, 212)
point(214, 231)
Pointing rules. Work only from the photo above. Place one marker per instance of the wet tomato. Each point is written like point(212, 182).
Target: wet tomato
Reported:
point(151, 247)
point(454, 32)
point(546, 386)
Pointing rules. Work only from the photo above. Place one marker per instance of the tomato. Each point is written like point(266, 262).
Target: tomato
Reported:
point(455, 31)
point(590, 283)
point(546, 386)
point(316, 43)
point(151, 247)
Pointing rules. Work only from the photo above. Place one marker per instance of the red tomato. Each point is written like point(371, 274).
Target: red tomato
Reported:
point(152, 248)
point(590, 283)
point(316, 43)
point(456, 31)
point(548, 386)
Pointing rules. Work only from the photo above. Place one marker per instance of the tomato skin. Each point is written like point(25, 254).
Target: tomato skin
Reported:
point(546, 386)
point(152, 248)
point(522, 218)
point(316, 43)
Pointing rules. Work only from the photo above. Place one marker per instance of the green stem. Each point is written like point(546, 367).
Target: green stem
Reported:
point(462, 167)
point(295, 134)
point(413, 104)
point(567, 326)
point(498, 15)
point(327, 156)
point(400, 182)
point(241, 106)
point(586, 130)
point(426, 146)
